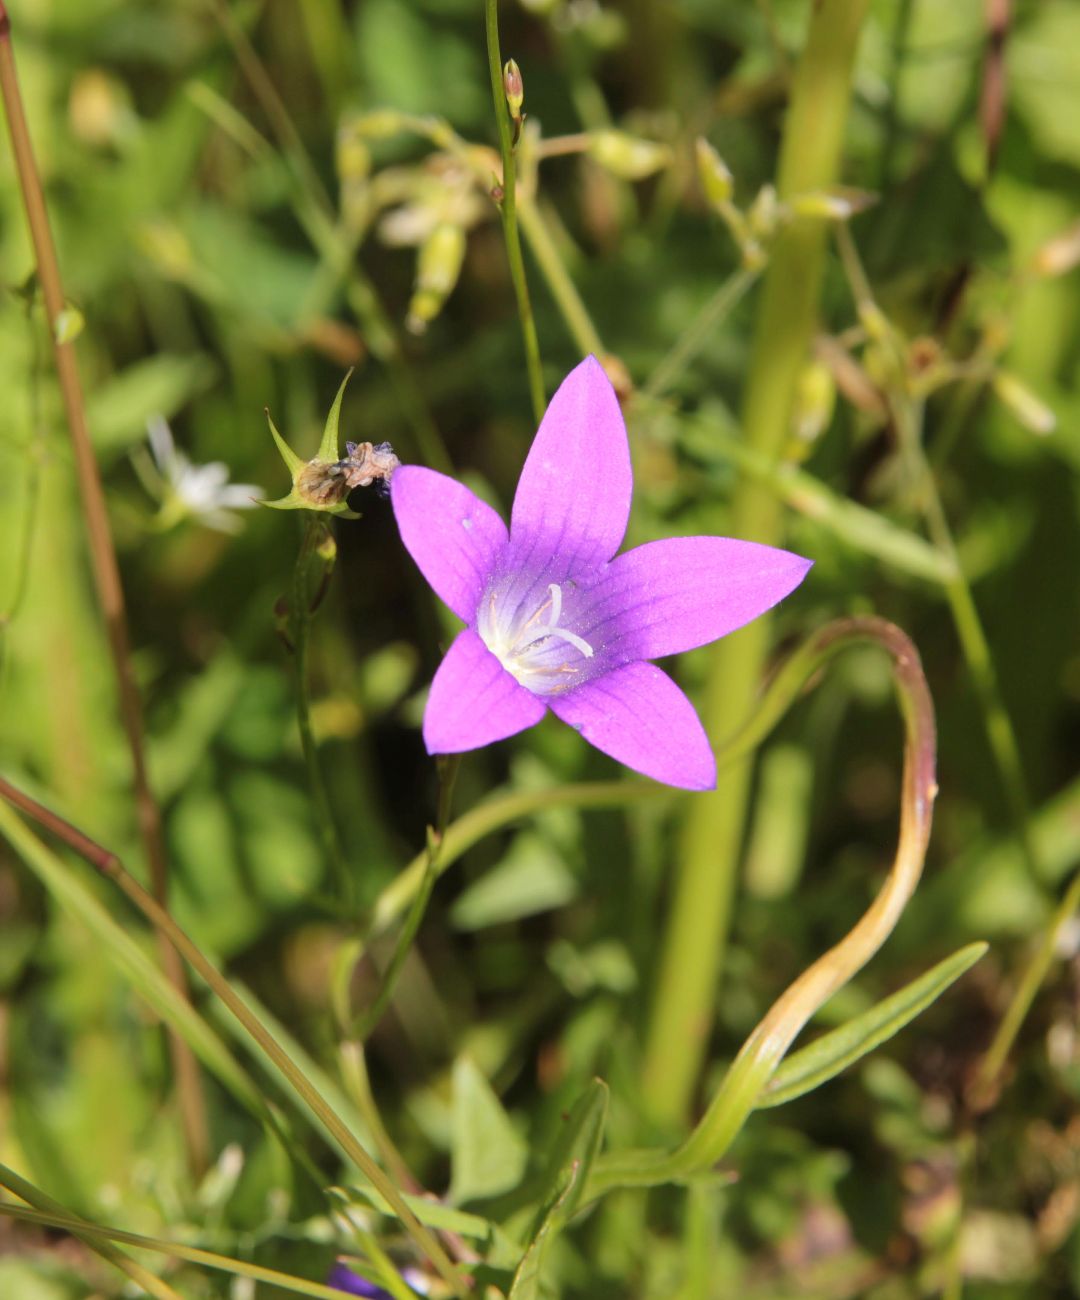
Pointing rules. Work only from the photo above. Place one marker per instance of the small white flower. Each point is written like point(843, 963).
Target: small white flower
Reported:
point(202, 492)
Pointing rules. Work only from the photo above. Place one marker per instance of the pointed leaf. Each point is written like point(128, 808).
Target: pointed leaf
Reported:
point(526, 1283)
point(328, 448)
point(835, 1051)
point(567, 1172)
point(488, 1156)
point(576, 1147)
point(293, 463)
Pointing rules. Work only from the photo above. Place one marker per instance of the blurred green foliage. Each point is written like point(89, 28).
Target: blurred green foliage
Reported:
point(235, 233)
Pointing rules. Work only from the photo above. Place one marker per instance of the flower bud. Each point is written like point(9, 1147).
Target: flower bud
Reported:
point(628, 156)
point(381, 122)
point(1030, 410)
point(837, 204)
point(874, 321)
point(716, 180)
point(437, 271)
point(764, 214)
point(352, 156)
point(69, 324)
point(815, 400)
point(1058, 255)
point(514, 89)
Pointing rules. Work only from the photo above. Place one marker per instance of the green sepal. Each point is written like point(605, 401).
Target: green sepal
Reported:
point(293, 463)
point(328, 448)
point(327, 454)
point(294, 501)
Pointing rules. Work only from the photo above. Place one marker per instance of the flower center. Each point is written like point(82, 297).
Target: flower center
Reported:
point(529, 642)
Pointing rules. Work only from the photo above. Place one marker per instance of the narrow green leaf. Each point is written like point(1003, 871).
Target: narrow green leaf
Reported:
point(328, 448)
point(100, 1238)
point(131, 959)
point(576, 1147)
point(572, 1156)
point(835, 1051)
point(526, 1283)
point(432, 1214)
point(488, 1156)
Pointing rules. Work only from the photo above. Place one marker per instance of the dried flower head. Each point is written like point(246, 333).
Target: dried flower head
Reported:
point(323, 482)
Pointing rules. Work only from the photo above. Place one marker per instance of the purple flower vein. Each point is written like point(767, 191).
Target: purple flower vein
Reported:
point(555, 619)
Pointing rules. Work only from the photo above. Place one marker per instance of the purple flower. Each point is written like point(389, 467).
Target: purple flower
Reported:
point(554, 622)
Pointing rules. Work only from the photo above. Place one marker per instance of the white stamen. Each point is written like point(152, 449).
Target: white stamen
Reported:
point(521, 639)
point(556, 603)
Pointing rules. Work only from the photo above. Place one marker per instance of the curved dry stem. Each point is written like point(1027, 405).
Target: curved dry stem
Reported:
point(765, 1048)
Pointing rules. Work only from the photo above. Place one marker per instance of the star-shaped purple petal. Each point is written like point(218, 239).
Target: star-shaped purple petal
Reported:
point(553, 620)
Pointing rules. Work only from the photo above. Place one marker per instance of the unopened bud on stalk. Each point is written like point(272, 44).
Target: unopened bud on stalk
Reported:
point(514, 89)
point(627, 156)
point(437, 269)
point(764, 214)
point(716, 179)
point(837, 204)
point(1058, 255)
point(1030, 410)
point(352, 156)
point(874, 322)
point(815, 400)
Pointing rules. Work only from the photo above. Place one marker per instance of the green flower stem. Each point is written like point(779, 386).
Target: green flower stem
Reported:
point(508, 212)
point(46, 1208)
point(106, 571)
point(448, 770)
point(562, 287)
point(765, 1048)
point(990, 1067)
point(354, 1074)
point(110, 866)
point(99, 1239)
point(303, 597)
point(694, 945)
point(907, 416)
point(700, 330)
point(972, 635)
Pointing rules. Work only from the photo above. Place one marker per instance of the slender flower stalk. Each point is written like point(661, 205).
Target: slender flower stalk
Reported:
point(559, 281)
point(695, 940)
point(907, 416)
point(508, 208)
point(304, 600)
point(106, 572)
point(701, 329)
point(990, 1067)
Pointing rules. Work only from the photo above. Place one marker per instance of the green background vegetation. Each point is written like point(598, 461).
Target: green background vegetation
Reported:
point(227, 248)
